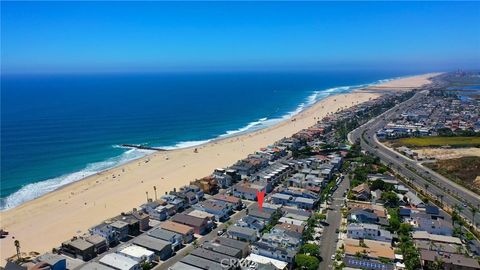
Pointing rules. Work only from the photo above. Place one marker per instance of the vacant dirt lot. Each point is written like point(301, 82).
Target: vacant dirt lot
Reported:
point(448, 153)
point(465, 171)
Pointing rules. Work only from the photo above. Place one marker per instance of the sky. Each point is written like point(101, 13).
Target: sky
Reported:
point(56, 37)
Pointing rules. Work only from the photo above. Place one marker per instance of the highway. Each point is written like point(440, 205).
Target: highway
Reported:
point(448, 192)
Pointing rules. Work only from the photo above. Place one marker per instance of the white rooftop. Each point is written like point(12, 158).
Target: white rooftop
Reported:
point(135, 251)
point(118, 261)
point(266, 260)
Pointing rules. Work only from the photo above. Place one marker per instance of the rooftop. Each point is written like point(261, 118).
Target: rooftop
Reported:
point(176, 227)
point(231, 243)
point(230, 251)
point(151, 243)
point(136, 251)
point(211, 255)
point(374, 249)
point(435, 237)
point(241, 230)
point(94, 266)
point(162, 234)
point(118, 261)
point(80, 244)
point(226, 198)
point(201, 263)
point(189, 220)
point(200, 214)
point(449, 258)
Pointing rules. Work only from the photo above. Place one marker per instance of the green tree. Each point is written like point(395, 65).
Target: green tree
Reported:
point(394, 221)
point(146, 266)
point(306, 262)
point(390, 199)
point(310, 249)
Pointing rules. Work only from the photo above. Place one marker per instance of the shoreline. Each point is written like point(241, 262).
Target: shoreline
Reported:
point(307, 103)
point(73, 208)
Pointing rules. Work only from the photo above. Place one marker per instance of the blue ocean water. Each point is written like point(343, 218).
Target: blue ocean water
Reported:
point(57, 129)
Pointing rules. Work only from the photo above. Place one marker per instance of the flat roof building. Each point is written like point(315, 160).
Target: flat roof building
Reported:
point(119, 262)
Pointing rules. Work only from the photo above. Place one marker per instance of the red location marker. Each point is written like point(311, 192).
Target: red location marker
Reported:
point(260, 197)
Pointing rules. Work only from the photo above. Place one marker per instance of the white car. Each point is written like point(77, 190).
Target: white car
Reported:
point(333, 257)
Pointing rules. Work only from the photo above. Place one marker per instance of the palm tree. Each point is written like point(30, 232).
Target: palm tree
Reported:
point(426, 188)
point(17, 246)
point(155, 190)
point(441, 198)
point(474, 211)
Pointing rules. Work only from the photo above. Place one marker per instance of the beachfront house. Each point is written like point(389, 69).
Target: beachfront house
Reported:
point(78, 248)
point(54, 261)
point(154, 209)
point(224, 180)
point(106, 231)
point(99, 243)
point(121, 229)
point(176, 201)
point(159, 212)
point(137, 221)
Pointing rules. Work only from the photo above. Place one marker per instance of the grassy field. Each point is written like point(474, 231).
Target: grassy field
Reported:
point(437, 141)
point(462, 170)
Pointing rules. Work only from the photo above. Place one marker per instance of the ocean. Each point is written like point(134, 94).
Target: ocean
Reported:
point(58, 129)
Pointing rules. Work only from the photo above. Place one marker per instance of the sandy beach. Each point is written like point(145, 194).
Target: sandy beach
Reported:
point(45, 222)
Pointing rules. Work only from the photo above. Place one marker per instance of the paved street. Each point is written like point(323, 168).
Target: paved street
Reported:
point(329, 237)
point(419, 175)
point(210, 236)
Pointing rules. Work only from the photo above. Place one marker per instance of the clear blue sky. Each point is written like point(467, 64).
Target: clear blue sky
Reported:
point(163, 36)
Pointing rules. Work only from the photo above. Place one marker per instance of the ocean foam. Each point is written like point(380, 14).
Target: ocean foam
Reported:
point(185, 144)
point(35, 190)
